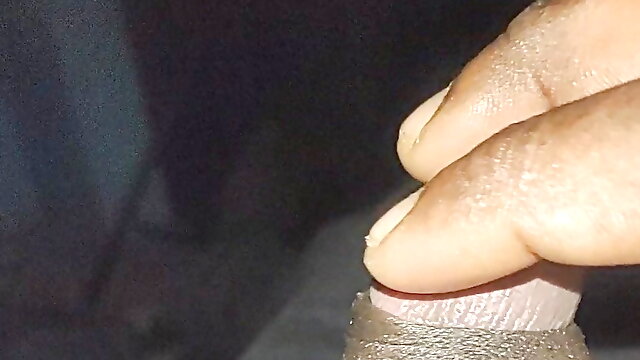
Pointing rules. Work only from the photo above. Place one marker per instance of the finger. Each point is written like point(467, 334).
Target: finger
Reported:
point(561, 186)
point(417, 120)
point(553, 53)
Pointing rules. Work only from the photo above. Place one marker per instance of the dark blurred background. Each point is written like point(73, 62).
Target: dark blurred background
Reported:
point(166, 166)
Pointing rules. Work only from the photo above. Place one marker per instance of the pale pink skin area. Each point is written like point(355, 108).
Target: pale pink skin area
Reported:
point(542, 297)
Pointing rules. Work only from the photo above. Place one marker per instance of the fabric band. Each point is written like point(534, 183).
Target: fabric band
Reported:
point(376, 335)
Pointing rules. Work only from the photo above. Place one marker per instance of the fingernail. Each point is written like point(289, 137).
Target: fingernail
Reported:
point(412, 126)
point(391, 219)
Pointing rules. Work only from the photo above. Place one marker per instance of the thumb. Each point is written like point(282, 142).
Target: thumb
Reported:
point(561, 186)
point(553, 53)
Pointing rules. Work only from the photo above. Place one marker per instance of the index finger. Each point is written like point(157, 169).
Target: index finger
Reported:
point(553, 53)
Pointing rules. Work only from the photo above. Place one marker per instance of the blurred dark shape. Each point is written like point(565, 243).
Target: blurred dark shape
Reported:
point(274, 117)
point(608, 312)
point(302, 98)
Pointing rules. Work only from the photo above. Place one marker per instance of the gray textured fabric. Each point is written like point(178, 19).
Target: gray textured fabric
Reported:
point(313, 324)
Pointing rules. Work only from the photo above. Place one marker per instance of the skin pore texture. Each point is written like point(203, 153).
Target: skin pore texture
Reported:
point(543, 297)
point(525, 157)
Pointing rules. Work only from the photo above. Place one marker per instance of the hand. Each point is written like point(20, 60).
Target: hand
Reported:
point(531, 154)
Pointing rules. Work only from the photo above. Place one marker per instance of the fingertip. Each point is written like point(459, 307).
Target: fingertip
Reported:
point(433, 250)
point(413, 124)
point(391, 219)
point(442, 267)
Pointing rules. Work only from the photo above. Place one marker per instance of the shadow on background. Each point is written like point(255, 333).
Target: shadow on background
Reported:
point(608, 313)
point(314, 90)
point(270, 118)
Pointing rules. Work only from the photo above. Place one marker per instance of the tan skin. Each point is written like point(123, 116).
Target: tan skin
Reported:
point(532, 155)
